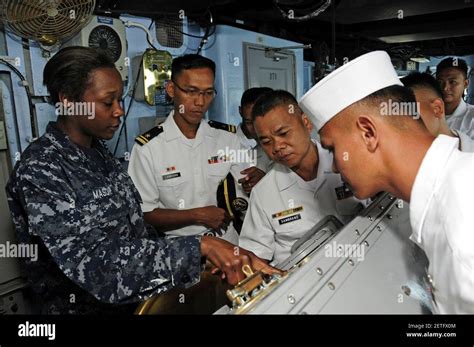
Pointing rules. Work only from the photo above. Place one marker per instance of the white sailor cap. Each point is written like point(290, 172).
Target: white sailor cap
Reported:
point(348, 84)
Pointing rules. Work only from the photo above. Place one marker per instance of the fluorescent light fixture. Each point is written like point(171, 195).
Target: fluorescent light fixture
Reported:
point(420, 59)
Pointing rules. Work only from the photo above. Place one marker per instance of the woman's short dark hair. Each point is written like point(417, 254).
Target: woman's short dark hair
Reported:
point(69, 71)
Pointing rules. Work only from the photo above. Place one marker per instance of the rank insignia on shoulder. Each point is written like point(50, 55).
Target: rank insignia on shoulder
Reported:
point(144, 138)
point(223, 126)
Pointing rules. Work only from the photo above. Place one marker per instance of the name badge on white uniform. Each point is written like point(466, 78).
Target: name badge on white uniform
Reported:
point(169, 174)
point(289, 215)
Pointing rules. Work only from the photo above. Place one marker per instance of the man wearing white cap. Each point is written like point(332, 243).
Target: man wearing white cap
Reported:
point(300, 189)
point(380, 146)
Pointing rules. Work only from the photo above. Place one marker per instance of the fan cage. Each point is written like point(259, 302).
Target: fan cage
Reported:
point(45, 20)
point(169, 32)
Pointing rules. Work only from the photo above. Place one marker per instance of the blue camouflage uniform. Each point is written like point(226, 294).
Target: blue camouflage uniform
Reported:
point(81, 208)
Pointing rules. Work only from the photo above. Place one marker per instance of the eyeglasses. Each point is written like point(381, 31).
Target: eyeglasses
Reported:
point(194, 93)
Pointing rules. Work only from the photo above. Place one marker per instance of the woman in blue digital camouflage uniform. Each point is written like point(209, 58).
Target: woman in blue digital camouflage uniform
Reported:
point(69, 195)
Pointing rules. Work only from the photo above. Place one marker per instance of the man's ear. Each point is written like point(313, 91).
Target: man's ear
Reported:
point(240, 111)
point(170, 89)
point(307, 122)
point(368, 131)
point(63, 98)
point(466, 83)
point(437, 106)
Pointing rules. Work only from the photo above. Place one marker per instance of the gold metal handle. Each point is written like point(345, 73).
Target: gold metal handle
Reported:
point(247, 270)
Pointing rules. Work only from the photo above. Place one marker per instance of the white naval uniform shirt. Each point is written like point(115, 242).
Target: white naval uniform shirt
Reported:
point(462, 119)
point(283, 207)
point(442, 220)
point(466, 144)
point(174, 172)
point(263, 162)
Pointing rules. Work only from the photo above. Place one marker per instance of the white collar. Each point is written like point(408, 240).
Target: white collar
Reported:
point(172, 131)
point(244, 140)
point(432, 168)
point(460, 110)
point(464, 140)
point(286, 177)
point(325, 160)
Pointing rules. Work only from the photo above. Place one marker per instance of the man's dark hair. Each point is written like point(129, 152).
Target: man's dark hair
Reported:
point(395, 94)
point(422, 80)
point(191, 61)
point(69, 71)
point(456, 63)
point(271, 100)
point(252, 94)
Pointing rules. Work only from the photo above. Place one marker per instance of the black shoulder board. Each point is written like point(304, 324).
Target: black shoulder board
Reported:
point(222, 126)
point(144, 138)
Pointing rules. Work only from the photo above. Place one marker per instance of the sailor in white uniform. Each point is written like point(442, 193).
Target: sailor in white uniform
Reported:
point(462, 119)
point(397, 154)
point(452, 74)
point(432, 108)
point(248, 138)
point(246, 131)
point(178, 167)
point(300, 190)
